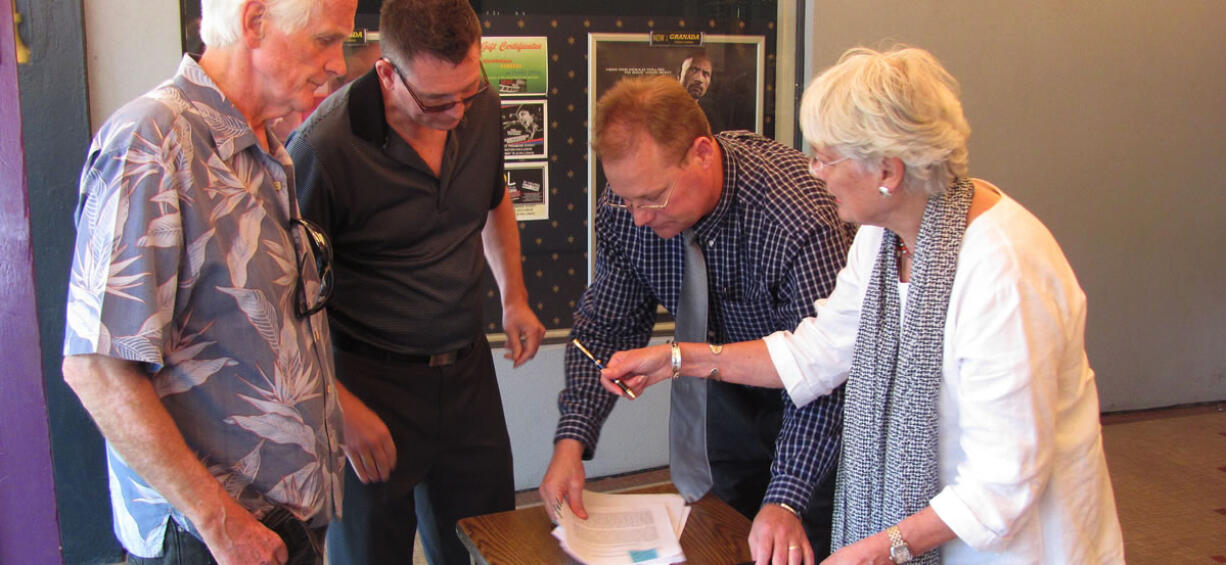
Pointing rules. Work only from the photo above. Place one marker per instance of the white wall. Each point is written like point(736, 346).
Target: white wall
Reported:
point(130, 47)
point(1108, 120)
point(634, 438)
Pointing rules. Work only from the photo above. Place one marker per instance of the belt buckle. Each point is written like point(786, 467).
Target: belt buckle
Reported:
point(443, 359)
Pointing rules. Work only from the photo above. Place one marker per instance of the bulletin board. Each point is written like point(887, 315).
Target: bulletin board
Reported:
point(558, 252)
point(540, 65)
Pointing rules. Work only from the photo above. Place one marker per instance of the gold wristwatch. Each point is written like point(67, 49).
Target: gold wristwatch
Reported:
point(899, 552)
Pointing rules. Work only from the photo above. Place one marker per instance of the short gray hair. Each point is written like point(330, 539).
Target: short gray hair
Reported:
point(901, 103)
point(221, 24)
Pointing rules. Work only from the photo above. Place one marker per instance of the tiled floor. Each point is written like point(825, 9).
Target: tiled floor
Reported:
point(1169, 472)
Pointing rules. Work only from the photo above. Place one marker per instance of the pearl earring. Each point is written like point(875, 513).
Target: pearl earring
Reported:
point(885, 191)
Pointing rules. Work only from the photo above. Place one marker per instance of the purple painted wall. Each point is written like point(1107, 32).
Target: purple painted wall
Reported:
point(29, 532)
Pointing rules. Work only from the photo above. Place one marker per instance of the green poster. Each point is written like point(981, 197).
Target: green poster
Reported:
point(517, 66)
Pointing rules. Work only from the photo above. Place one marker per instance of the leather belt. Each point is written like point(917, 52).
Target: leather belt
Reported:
point(447, 358)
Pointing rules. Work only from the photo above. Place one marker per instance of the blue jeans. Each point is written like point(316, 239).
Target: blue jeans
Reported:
point(182, 548)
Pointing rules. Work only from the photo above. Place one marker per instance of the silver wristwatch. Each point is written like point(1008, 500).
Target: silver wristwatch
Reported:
point(899, 552)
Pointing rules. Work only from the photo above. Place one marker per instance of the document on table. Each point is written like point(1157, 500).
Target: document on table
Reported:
point(625, 529)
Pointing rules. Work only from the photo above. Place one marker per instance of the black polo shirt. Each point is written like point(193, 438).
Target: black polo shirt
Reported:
point(408, 256)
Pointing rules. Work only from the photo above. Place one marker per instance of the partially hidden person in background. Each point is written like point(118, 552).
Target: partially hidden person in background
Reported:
point(971, 429)
point(195, 338)
point(403, 168)
point(734, 237)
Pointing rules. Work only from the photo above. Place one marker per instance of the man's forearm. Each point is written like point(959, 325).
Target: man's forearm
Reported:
point(122, 401)
point(806, 450)
point(502, 251)
point(583, 405)
point(580, 421)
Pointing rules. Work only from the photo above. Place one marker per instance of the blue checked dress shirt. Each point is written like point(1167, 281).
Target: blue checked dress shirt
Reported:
point(773, 245)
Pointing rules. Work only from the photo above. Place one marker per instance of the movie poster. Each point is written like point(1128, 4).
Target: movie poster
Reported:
point(523, 129)
point(723, 73)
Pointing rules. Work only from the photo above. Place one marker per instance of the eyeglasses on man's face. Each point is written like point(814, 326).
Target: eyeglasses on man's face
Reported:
point(436, 108)
point(649, 205)
point(657, 203)
point(817, 165)
point(311, 298)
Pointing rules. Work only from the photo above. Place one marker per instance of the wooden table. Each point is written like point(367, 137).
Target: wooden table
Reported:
point(715, 534)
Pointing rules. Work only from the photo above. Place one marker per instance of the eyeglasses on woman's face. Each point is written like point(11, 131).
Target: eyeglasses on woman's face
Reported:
point(436, 108)
point(311, 298)
point(817, 165)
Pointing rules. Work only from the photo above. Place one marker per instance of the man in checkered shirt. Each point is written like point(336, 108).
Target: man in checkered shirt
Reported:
point(773, 244)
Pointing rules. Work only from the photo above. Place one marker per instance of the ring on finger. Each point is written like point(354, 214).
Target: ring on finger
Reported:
point(793, 547)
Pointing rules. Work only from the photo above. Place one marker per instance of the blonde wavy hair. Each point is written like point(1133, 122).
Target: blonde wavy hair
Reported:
point(898, 103)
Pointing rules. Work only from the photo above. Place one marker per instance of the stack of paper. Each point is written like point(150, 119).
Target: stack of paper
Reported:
point(624, 529)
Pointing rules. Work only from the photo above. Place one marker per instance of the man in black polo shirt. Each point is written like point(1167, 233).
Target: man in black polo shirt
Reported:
point(403, 168)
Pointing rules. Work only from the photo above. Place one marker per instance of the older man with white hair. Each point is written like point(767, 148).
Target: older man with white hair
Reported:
point(195, 334)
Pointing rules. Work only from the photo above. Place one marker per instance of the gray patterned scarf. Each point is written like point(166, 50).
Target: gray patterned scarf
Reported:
point(888, 468)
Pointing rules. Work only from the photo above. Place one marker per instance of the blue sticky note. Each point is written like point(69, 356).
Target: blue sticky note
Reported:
point(641, 555)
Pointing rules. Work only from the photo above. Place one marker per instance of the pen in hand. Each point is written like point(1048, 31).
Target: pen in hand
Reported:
point(617, 382)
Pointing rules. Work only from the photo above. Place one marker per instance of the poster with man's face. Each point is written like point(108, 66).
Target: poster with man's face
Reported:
point(523, 129)
point(724, 73)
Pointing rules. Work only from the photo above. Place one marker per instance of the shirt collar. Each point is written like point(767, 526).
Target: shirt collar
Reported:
point(367, 116)
point(231, 132)
point(708, 226)
point(368, 121)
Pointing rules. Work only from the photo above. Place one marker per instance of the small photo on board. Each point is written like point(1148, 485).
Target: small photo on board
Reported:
point(523, 129)
point(528, 187)
point(517, 66)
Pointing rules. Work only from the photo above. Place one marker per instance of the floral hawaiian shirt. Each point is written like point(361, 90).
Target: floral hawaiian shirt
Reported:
point(186, 262)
